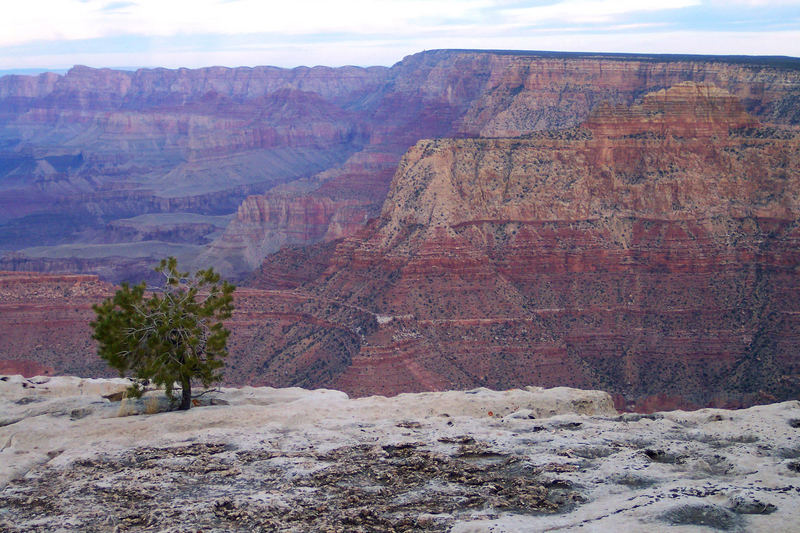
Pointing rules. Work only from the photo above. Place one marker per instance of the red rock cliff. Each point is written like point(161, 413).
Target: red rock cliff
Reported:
point(652, 253)
point(45, 319)
point(45, 323)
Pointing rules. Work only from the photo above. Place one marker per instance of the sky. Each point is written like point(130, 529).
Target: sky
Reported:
point(57, 34)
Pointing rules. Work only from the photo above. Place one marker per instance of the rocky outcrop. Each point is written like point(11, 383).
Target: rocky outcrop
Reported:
point(264, 224)
point(519, 460)
point(651, 253)
point(79, 151)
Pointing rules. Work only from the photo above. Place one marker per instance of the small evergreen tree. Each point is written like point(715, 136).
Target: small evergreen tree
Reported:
point(174, 335)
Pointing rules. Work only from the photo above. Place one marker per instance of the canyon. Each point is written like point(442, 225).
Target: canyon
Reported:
point(492, 219)
point(84, 152)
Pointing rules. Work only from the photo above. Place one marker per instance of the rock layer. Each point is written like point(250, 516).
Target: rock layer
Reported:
point(45, 323)
point(264, 224)
point(652, 252)
point(81, 151)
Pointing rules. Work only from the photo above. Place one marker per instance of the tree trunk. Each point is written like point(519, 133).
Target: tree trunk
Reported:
point(186, 393)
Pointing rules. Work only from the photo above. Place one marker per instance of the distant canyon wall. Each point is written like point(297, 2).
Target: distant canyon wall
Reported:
point(79, 151)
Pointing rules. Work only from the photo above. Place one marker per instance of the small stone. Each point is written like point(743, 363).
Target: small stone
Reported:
point(708, 515)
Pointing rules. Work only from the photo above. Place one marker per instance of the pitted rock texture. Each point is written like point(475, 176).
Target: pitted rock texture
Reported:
point(622, 255)
point(80, 151)
point(474, 461)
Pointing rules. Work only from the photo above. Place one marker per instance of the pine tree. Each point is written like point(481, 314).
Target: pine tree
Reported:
point(174, 335)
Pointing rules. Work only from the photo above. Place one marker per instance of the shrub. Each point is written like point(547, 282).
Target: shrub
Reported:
point(174, 335)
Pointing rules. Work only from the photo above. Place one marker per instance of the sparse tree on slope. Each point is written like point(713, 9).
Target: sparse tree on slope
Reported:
point(175, 335)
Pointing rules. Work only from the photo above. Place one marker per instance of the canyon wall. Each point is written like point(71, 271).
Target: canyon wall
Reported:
point(266, 223)
point(652, 252)
point(45, 323)
point(626, 223)
point(80, 151)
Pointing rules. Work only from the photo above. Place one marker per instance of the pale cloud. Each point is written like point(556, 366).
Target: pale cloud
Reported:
point(33, 20)
point(755, 3)
point(171, 33)
point(591, 11)
point(389, 51)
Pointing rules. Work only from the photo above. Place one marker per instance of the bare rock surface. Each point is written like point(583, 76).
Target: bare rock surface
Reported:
point(267, 459)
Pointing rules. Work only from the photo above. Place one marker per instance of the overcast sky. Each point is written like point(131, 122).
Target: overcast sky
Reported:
point(57, 34)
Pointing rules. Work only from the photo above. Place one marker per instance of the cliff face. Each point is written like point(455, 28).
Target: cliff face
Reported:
point(648, 247)
point(624, 255)
point(45, 323)
point(507, 93)
point(264, 224)
point(652, 252)
point(81, 150)
point(44, 319)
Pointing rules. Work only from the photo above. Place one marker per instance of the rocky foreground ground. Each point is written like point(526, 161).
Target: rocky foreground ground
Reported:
point(295, 460)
